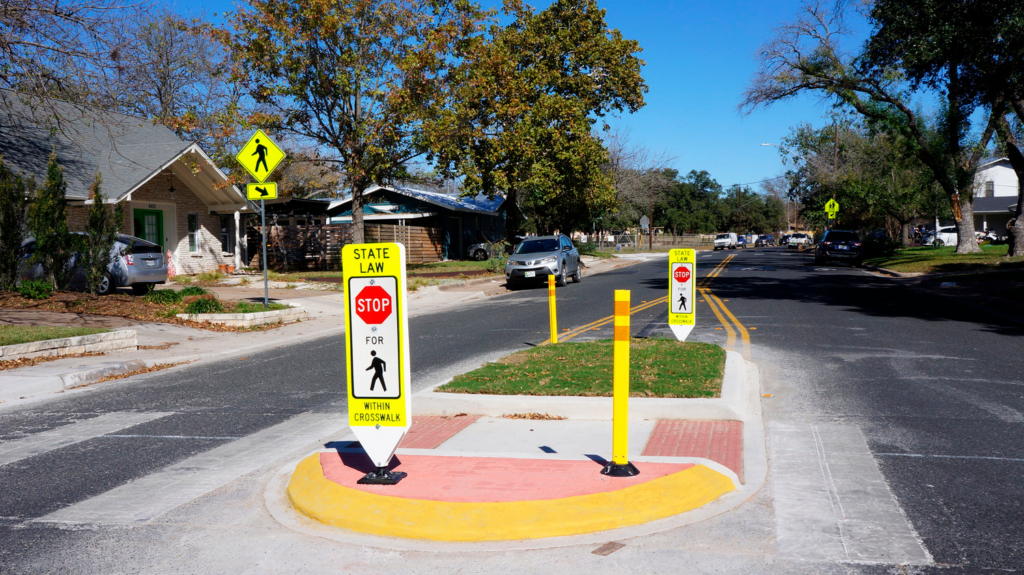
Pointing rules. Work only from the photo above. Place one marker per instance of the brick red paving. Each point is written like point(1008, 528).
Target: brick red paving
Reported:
point(487, 479)
point(430, 431)
point(719, 441)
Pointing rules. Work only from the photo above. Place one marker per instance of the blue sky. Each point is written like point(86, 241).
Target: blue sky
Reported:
point(700, 57)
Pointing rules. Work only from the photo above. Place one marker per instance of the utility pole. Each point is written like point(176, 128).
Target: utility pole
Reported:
point(650, 225)
point(739, 210)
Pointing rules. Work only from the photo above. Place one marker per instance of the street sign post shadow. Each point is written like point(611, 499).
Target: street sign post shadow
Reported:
point(377, 352)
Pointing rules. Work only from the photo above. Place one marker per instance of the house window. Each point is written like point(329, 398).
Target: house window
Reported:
point(990, 189)
point(227, 239)
point(193, 232)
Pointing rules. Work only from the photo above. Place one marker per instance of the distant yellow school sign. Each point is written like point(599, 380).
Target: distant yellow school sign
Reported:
point(832, 208)
point(682, 275)
point(259, 156)
point(264, 191)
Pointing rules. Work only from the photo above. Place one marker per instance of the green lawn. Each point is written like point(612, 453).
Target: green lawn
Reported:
point(15, 334)
point(658, 368)
point(945, 259)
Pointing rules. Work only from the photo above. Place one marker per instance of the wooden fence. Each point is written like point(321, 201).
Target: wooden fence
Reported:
point(318, 247)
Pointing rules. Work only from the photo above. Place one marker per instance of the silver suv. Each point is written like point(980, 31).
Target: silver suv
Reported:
point(536, 258)
point(134, 263)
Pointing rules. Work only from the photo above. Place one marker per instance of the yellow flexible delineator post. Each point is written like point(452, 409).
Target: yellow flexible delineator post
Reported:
point(551, 309)
point(620, 465)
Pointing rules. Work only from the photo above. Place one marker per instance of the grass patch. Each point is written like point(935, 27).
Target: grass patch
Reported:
point(452, 266)
point(253, 307)
point(658, 368)
point(945, 259)
point(15, 334)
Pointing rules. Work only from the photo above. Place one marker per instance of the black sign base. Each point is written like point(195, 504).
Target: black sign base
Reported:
point(383, 477)
point(617, 470)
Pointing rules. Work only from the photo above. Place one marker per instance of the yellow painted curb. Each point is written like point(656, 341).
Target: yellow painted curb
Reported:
point(317, 497)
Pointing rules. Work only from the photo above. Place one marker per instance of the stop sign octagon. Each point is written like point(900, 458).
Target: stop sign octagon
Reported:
point(373, 305)
point(682, 274)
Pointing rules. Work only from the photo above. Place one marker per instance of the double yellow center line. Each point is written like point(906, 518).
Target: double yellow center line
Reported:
point(722, 312)
point(704, 286)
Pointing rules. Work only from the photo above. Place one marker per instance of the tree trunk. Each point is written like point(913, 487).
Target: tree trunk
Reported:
point(966, 242)
point(905, 234)
point(357, 212)
point(1016, 225)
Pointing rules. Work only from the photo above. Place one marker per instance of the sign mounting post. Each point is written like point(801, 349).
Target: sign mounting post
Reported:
point(259, 156)
point(377, 352)
point(682, 275)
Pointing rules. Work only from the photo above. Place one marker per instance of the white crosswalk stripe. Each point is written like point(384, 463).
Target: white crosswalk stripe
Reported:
point(65, 435)
point(159, 492)
point(831, 501)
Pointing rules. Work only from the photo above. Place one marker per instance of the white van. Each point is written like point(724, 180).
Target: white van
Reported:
point(725, 241)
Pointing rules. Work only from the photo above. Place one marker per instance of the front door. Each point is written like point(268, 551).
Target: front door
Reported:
point(149, 225)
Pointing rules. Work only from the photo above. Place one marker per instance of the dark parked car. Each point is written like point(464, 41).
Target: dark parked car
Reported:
point(839, 245)
point(134, 263)
point(536, 258)
point(765, 240)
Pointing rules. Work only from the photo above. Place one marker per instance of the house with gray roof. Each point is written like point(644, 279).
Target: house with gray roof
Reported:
point(460, 221)
point(174, 194)
point(995, 195)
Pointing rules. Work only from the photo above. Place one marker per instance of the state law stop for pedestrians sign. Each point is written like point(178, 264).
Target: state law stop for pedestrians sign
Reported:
point(377, 346)
point(682, 275)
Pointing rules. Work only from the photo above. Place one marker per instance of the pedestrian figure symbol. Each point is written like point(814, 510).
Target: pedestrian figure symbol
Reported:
point(682, 303)
point(379, 366)
point(261, 151)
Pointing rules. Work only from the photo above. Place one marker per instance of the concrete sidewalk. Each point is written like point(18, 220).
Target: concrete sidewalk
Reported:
point(173, 344)
point(505, 483)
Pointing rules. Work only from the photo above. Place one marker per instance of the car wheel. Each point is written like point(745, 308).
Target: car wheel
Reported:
point(938, 243)
point(141, 289)
point(560, 279)
point(578, 276)
point(479, 255)
point(106, 286)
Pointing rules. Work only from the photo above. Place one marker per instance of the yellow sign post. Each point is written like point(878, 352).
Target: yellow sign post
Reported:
point(832, 208)
point(259, 156)
point(620, 465)
point(682, 275)
point(552, 313)
point(265, 191)
point(377, 352)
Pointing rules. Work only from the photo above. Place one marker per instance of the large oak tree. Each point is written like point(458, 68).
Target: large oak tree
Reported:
point(355, 78)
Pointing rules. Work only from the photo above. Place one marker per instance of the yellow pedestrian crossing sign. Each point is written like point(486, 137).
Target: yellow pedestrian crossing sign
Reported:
point(832, 208)
point(259, 156)
point(264, 191)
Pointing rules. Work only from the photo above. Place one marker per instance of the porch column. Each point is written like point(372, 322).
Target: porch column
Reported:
point(238, 242)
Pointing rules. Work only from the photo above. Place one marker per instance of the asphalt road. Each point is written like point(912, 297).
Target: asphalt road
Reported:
point(934, 387)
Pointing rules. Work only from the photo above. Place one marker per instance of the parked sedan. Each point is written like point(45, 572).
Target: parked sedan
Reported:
point(134, 263)
point(534, 259)
point(839, 245)
point(765, 240)
point(946, 237)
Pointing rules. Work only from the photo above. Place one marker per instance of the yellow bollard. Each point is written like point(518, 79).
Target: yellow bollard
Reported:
point(551, 309)
point(620, 465)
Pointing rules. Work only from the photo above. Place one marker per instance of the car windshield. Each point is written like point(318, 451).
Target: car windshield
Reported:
point(536, 246)
point(722, 237)
point(799, 235)
point(843, 237)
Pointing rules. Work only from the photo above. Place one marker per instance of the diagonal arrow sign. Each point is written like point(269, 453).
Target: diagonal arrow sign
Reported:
point(262, 191)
